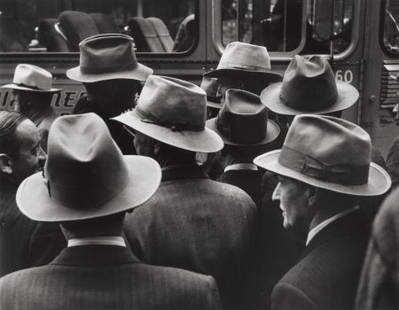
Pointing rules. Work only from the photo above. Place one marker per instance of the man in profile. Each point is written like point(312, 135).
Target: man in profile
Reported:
point(23, 243)
point(96, 270)
point(324, 168)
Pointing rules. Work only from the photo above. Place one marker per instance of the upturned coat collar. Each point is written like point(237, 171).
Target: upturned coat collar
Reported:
point(176, 172)
point(352, 224)
point(95, 256)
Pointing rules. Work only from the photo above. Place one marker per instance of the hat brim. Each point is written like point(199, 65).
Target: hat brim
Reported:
point(269, 76)
point(379, 180)
point(34, 201)
point(347, 97)
point(205, 141)
point(15, 86)
point(272, 132)
point(140, 73)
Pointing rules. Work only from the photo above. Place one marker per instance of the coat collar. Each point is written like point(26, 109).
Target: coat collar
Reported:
point(95, 255)
point(176, 172)
point(355, 223)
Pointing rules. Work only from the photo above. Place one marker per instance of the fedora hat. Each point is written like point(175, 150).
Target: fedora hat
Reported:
point(86, 176)
point(32, 78)
point(329, 153)
point(174, 112)
point(210, 86)
point(245, 59)
point(242, 121)
point(107, 57)
point(309, 86)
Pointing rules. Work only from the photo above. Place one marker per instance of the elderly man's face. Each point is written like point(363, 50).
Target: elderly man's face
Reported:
point(30, 157)
point(294, 202)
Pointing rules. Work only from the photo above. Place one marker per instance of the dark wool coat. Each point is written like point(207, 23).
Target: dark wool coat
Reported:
point(105, 277)
point(200, 225)
point(326, 278)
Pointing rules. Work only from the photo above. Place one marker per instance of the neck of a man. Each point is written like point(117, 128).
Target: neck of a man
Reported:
point(166, 162)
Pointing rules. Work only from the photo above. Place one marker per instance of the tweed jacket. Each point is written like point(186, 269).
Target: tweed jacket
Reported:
point(105, 277)
point(379, 283)
point(25, 243)
point(200, 225)
point(327, 276)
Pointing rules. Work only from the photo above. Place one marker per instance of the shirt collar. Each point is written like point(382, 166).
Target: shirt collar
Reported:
point(241, 166)
point(315, 230)
point(103, 240)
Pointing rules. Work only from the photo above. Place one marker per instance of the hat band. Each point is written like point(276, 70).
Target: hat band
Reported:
point(345, 174)
point(110, 69)
point(29, 86)
point(308, 104)
point(151, 119)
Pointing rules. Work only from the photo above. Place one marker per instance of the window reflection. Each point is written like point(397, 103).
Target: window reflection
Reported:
point(282, 26)
point(59, 25)
point(391, 27)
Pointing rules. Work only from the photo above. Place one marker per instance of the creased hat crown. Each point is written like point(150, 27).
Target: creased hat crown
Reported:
point(243, 118)
point(327, 148)
point(85, 168)
point(107, 53)
point(309, 84)
point(172, 103)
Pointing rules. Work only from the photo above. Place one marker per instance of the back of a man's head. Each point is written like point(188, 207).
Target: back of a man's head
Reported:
point(9, 122)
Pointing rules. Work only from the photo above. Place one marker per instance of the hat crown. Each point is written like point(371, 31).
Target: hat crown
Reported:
point(327, 148)
point(243, 118)
point(172, 103)
point(309, 84)
point(85, 168)
point(32, 76)
point(245, 56)
point(107, 53)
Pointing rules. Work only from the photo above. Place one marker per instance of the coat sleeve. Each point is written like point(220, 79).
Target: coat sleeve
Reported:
point(287, 297)
point(376, 287)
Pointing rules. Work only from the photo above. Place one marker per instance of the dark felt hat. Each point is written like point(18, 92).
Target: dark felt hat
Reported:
point(86, 176)
point(243, 121)
point(329, 153)
point(309, 86)
point(107, 57)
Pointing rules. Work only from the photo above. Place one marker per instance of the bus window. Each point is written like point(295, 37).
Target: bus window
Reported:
point(288, 25)
point(59, 25)
point(390, 33)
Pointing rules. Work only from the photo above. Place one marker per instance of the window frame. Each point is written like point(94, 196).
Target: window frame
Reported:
point(217, 39)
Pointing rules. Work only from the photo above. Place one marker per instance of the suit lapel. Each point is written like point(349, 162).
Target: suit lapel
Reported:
point(95, 255)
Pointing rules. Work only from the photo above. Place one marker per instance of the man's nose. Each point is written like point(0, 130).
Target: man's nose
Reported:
point(276, 192)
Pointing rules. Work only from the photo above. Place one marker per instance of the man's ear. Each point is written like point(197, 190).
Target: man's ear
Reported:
point(312, 196)
point(156, 147)
point(6, 164)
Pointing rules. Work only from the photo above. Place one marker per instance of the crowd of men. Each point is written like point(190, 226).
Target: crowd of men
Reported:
point(248, 193)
